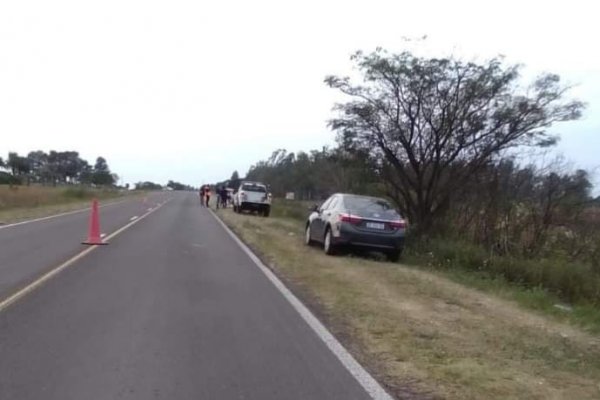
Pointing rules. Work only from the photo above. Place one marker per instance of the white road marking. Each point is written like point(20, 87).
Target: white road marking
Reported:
point(4, 303)
point(59, 215)
point(133, 218)
point(102, 235)
point(371, 386)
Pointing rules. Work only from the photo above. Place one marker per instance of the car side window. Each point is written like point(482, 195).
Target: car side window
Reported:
point(334, 202)
point(325, 205)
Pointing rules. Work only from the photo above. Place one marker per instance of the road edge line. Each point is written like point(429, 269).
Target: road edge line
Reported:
point(37, 282)
point(364, 378)
point(80, 210)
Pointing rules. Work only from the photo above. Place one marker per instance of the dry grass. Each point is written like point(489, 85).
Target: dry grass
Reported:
point(24, 202)
point(424, 334)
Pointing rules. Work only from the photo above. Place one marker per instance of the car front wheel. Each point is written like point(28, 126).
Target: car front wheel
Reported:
point(307, 239)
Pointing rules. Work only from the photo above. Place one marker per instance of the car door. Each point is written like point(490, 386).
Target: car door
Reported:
point(325, 215)
point(317, 225)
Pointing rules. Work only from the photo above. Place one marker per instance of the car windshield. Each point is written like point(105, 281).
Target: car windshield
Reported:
point(370, 207)
point(251, 187)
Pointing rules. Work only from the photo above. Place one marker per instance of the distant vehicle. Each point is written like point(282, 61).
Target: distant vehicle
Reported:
point(252, 196)
point(346, 220)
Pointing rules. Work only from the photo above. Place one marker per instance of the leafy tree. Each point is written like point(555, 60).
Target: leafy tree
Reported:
point(18, 165)
point(316, 175)
point(430, 124)
point(86, 173)
point(101, 165)
point(39, 165)
point(70, 165)
point(234, 181)
point(102, 174)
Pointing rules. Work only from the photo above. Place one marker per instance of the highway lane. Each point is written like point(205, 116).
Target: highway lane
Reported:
point(172, 309)
point(27, 250)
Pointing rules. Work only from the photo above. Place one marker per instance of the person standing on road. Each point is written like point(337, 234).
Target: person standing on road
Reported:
point(207, 196)
point(201, 194)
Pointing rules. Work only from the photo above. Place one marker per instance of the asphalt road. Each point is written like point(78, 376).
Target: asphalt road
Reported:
point(26, 250)
point(173, 308)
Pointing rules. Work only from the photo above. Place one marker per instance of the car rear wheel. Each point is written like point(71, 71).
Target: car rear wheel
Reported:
point(266, 211)
point(328, 245)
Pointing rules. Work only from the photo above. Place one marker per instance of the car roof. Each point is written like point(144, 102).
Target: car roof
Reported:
point(360, 196)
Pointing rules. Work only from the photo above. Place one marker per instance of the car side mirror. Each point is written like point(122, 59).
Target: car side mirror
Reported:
point(314, 208)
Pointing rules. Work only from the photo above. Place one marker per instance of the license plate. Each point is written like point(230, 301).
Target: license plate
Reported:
point(375, 225)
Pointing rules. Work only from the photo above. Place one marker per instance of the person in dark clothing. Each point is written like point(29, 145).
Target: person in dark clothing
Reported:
point(201, 194)
point(223, 197)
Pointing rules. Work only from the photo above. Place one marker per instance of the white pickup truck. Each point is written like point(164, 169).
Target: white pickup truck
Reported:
point(252, 196)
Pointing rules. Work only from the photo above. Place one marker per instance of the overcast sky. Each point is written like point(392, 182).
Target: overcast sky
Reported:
point(192, 90)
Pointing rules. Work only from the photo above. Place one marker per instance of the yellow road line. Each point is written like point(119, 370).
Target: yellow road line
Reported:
point(50, 274)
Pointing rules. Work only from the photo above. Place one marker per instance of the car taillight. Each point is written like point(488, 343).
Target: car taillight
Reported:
point(399, 224)
point(353, 219)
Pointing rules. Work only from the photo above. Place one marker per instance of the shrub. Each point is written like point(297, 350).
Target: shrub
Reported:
point(570, 281)
point(8, 179)
point(291, 209)
point(77, 193)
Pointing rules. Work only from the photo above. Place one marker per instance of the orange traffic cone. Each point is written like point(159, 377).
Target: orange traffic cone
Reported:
point(94, 237)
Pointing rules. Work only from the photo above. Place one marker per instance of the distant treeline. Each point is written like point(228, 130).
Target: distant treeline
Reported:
point(147, 185)
point(54, 167)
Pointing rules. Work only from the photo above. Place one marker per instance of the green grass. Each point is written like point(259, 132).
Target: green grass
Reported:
point(581, 314)
point(534, 284)
point(420, 332)
point(291, 209)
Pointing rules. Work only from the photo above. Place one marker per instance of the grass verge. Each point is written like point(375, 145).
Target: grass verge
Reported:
point(27, 202)
point(424, 335)
point(541, 285)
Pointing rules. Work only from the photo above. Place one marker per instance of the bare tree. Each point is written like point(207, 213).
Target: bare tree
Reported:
point(430, 124)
